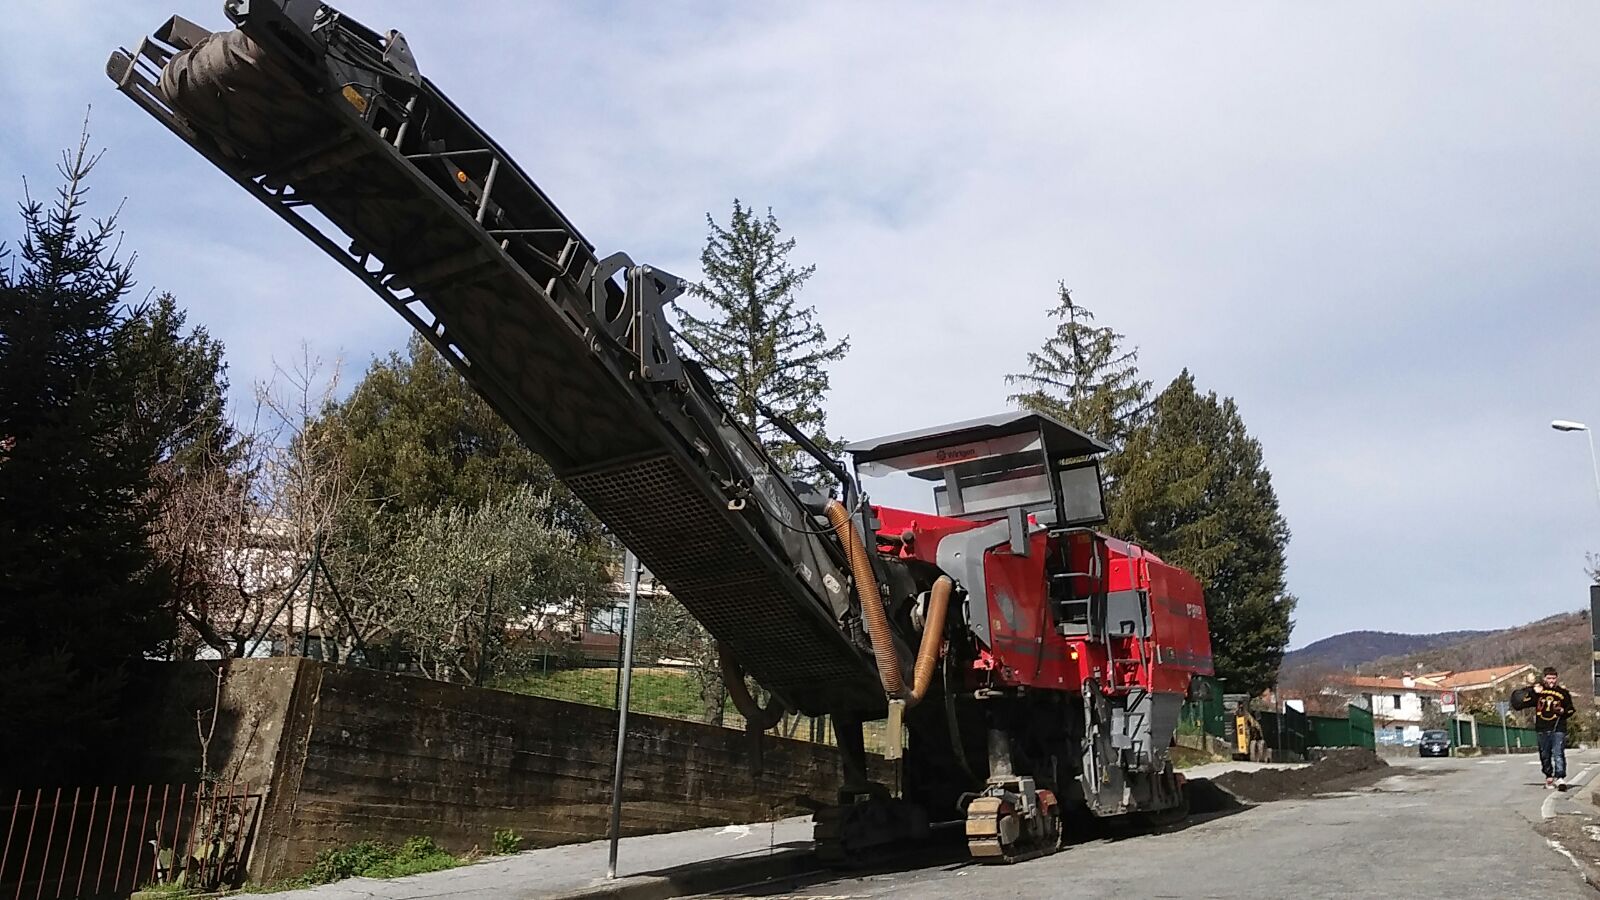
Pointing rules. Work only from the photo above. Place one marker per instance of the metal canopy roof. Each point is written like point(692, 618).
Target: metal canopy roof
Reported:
point(1059, 437)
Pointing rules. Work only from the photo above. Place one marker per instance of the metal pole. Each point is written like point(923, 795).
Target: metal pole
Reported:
point(1505, 735)
point(1280, 722)
point(630, 566)
point(311, 597)
point(1593, 463)
point(483, 646)
point(272, 621)
point(623, 652)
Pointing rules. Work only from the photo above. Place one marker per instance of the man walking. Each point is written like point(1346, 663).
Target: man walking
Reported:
point(1552, 707)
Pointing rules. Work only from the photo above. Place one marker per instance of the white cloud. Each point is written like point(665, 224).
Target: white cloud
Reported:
point(1371, 224)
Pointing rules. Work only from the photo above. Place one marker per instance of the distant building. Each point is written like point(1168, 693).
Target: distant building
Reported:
point(598, 633)
point(1399, 703)
point(267, 566)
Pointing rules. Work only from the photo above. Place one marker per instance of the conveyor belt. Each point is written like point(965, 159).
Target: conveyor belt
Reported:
point(321, 114)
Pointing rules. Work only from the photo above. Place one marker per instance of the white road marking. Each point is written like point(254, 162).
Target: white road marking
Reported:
point(1568, 854)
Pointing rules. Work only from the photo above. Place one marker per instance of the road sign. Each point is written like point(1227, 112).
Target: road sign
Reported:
point(1502, 707)
point(1447, 702)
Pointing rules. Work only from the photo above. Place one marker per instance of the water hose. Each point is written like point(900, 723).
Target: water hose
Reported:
point(877, 620)
point(871, 600)
point(733, 679)
point(932, 636)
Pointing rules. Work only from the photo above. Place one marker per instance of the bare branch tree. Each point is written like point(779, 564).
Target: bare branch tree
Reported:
point(240, 533)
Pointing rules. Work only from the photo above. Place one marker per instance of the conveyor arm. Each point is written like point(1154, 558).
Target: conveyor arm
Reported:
point(332, 127)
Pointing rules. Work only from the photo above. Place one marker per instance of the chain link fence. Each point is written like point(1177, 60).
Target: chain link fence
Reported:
point(566, 650)
point(676, 672)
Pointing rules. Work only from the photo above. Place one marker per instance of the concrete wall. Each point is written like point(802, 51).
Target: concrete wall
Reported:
point(170, 704)
point(350, 754)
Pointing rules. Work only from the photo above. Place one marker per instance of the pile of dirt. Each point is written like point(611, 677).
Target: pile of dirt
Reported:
point(1338, 771)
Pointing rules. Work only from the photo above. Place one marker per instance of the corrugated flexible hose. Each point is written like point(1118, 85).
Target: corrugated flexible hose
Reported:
point(877, 628)
point(932, 637)
point(877, 619)
point(871, 600)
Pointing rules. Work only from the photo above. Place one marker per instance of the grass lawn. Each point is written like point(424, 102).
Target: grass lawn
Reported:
point(1186, 757)
point(671, 693)
point(655, 692)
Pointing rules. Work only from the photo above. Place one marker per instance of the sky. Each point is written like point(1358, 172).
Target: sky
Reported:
point(1372, 224)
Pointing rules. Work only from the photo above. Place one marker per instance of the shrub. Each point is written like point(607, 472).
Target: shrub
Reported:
point(372, 859)
point(507, 842)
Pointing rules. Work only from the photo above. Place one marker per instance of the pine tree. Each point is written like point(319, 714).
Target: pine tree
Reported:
point(1083, 376)
point(1194, 489)
point(760, 345)
point(180, 387)
point(81, 594)
point(200, 482)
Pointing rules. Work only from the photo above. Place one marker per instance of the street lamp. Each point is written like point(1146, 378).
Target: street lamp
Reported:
point(1566, 425)
point(1594, 589)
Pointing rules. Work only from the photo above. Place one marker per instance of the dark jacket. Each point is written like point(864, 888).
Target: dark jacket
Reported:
point(1552, 707)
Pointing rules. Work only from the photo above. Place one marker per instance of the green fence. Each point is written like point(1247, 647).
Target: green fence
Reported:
point(1290, 730)
point(1354, 730)
point(1204, 714)
point(1492, 736)
point(1365, 733)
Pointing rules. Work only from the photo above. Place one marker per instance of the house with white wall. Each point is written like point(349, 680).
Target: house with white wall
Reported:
point(1399, 703)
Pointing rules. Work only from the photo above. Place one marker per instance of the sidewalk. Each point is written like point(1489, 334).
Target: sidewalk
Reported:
point(648, 867)
point(1578, 799)
point(1568, 819)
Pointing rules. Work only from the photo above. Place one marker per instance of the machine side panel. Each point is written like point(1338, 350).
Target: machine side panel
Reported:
point(1182, 633)
point(1025, 642)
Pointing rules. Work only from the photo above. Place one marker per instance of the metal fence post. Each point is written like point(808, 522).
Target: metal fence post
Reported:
point(311, 600)
point(630, 566)
point(488, 611)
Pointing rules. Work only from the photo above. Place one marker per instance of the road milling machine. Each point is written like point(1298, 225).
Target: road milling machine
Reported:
point(1031, 669)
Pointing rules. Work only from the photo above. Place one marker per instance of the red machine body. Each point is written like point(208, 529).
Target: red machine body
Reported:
point(1027, 649)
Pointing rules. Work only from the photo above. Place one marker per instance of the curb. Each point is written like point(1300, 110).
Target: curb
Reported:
point(1584, 783)
point(1586, 788)
point(702, 878)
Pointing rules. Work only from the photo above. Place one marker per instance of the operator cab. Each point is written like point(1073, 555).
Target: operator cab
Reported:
point(983, 469)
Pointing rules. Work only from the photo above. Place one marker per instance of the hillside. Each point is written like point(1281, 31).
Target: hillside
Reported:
point(1343, 651)
point(1562, 641)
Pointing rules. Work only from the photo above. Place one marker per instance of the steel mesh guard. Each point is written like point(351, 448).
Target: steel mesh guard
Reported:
point(693, 548)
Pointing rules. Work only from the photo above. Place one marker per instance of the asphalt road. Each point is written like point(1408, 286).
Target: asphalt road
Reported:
point(1457, 828)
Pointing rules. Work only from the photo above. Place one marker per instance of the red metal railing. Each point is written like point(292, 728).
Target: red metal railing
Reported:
point(95, 844)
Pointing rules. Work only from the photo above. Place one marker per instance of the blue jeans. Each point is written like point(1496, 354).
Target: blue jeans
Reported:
point(1553, 753)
